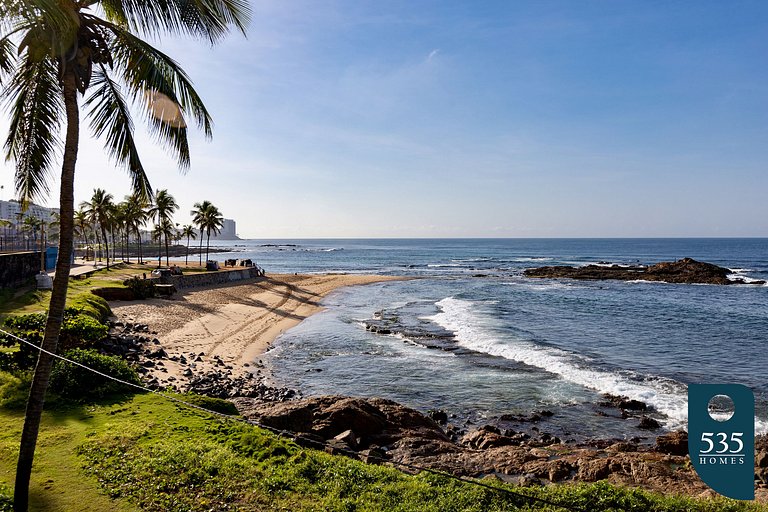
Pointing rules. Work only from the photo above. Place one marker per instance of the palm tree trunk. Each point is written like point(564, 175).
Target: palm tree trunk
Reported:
point(207, 245)
point(201, 246)
point(138, 235)
point(167, 263)
point(106, 244)
point(186, 258)
point(58, 300)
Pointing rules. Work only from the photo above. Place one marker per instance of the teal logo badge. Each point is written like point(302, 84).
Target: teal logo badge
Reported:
point(721, 437)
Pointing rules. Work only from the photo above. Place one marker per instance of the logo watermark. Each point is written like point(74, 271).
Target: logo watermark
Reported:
point(721, 437)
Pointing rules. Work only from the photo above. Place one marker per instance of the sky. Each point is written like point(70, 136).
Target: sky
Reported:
point(473, 119)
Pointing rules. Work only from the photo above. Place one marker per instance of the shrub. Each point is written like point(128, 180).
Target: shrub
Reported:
point(72, 381)
point(80, 330)
point(14, 390)
point(212, 404)
point(114, 293)
point(92, 305)
point(142, 288)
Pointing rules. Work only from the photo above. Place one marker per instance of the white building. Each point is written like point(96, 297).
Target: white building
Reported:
point(11, 210)
point(228, 231)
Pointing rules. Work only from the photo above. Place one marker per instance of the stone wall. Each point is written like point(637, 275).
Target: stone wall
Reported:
point(222, 276)
point(16, 268)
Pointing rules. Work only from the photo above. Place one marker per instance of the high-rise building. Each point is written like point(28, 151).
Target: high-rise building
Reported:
point(228, 231)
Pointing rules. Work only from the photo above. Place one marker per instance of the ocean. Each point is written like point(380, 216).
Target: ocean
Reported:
point(474, 337)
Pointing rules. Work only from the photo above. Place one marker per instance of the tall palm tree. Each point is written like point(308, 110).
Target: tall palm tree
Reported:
point(213, 221)
point(188, 230)
point(51, 53)
point(136, 215)
point(99, 209)
point(164, 207)
point(81, 226)
point(198, 218)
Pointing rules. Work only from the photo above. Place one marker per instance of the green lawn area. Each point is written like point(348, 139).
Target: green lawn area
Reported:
point(146, 453)
point(27, 299)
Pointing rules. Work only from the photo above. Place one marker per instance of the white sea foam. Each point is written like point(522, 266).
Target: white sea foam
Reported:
point(743, 278)
point(469, 326)
point(524, 259)
point(441, 265)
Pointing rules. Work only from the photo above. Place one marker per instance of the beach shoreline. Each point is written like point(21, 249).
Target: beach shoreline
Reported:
point(228, 326)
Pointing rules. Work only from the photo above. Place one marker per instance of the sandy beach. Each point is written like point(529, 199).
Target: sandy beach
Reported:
point(234, 322)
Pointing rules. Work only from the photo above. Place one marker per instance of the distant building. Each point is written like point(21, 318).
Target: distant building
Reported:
point(15, 234)
point(228, 231)
point(11, 210)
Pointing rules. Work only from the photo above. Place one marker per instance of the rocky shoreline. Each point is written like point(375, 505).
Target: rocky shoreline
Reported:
point(376, 430)
point(684, 271)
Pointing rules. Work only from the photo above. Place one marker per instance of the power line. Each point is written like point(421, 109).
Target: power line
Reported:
point(297, 435)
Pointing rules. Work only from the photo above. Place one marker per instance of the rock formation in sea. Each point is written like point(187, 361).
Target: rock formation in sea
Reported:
point(686, 270)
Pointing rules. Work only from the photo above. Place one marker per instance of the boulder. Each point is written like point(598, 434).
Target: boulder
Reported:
point(674, 443)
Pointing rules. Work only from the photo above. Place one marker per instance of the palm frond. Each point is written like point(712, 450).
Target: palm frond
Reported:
point(110, 118)
point(145, 69)
point(36, 112)
point(210, 19)
point(7, 57)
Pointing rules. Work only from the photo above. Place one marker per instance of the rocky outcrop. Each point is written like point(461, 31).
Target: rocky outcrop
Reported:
point(373, 423)
point(686, 270)
point(377, 430)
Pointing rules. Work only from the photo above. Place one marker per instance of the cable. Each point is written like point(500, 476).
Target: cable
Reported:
point(295, 435)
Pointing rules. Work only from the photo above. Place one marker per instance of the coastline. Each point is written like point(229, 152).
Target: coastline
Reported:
point(232, 323)
point(209, 339)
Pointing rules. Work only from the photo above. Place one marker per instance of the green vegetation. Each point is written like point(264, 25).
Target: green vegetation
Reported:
point(142, 452)
point(72, 381)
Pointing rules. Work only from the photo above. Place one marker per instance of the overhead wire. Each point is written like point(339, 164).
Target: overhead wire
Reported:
point(297, 436)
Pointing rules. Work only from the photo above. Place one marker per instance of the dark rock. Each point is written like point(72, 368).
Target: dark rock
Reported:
point(686, 270)
point(622, 402)
point(439, 416)
point(648, 423)
point(674, 443)
point(374, 420)
point(347, 437)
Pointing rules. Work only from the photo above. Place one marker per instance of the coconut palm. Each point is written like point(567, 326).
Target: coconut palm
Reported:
point(207, 218)
point(188, 230)
point(198, 218)
point(81, 225)
point(136, 215)
point(51, 53)
point(99, 210)
point(163, 209)
point(213, 221)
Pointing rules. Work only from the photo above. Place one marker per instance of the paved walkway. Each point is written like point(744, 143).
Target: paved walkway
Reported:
point(78, 269)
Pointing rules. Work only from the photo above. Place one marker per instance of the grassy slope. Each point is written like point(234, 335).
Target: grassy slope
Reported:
point(151, 454)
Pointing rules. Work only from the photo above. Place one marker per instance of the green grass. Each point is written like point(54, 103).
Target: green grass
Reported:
point(146, 453)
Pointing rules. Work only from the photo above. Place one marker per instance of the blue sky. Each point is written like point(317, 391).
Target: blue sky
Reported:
point(441, 119)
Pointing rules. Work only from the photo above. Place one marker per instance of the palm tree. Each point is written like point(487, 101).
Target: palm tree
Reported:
point(213, 221)
point(52, 52)
point(81, 226)
point(198, 218)
point(99, 209)
point(163, 209)
point(136, 216)
point(207, 218)
point(188, 230)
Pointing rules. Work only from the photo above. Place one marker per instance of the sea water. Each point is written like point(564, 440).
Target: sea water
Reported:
point(475, 337)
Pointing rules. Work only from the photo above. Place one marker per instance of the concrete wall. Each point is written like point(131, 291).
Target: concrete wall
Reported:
point(192, 280)
point(18, 267)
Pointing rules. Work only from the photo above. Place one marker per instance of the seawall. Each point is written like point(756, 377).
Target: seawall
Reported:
point(221, 276)
point(18, 267)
